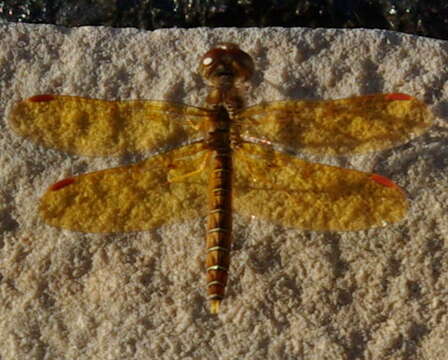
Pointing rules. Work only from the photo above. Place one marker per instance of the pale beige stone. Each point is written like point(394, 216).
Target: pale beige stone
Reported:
point(375, 294)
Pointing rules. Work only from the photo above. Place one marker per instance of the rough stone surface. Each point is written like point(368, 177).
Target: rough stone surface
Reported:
point(374, 294)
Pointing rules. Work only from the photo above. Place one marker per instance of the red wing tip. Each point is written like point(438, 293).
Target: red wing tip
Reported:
point(398, 96)
point(61, 184)
point(382, 180)
point(41, 98)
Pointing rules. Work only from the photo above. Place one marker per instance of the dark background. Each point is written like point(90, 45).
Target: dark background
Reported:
point(421, 17)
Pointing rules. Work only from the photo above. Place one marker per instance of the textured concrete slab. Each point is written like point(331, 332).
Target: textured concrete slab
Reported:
point(374, 294)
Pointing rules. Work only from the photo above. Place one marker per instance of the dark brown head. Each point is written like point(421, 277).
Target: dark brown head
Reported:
point(226, 65)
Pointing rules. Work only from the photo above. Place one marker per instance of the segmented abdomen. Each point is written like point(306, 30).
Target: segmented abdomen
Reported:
point(219, 227)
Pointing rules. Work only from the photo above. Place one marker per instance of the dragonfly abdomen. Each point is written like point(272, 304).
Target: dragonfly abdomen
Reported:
point(219, 226)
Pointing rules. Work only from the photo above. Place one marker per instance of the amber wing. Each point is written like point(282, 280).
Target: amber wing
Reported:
point(87, 126)
point(296, 193)
point(170, 187)
point(131, 198)
point(337, 127)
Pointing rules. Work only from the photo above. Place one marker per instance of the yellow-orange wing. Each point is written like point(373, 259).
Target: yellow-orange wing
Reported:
point(337, 127)
point(130, 198)
point(304, 195)
point(87, 126)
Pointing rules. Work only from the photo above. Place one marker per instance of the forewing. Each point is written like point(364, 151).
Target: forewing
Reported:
point(131, 198)
point(344, 126)
point(312, 196)
point(99, 127)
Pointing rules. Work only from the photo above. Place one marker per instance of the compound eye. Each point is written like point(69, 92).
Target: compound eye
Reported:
point(226, 61)
point(228, 46)
point(207, 61)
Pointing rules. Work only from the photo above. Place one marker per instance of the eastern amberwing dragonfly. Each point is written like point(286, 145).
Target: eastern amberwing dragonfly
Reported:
point(232, 167)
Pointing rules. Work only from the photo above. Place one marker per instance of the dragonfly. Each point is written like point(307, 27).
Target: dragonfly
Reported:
point(224, 160)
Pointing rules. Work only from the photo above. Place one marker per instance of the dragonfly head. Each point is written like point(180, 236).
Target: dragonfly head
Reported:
point(225, 65)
